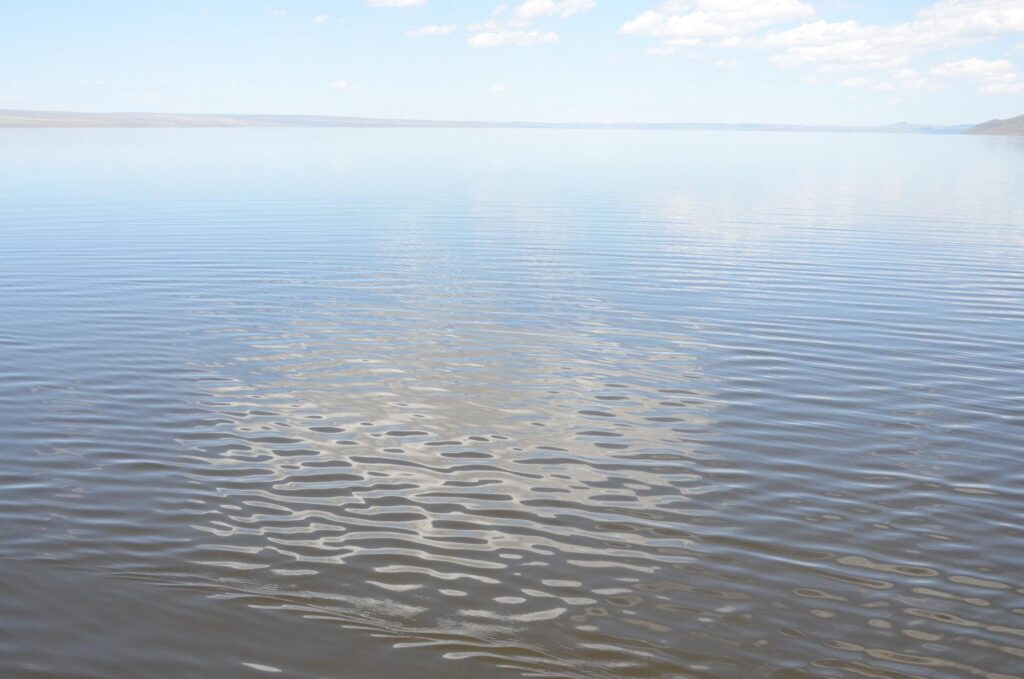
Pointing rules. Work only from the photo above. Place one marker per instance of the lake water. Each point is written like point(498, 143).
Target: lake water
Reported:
point(468, 403)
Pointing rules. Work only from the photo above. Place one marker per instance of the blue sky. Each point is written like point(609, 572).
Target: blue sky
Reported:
point(771, 61)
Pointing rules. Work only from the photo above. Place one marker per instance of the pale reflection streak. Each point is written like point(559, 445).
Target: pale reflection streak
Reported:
point(468, 452)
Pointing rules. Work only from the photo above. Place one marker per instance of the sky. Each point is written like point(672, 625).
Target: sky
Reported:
point(846, 62)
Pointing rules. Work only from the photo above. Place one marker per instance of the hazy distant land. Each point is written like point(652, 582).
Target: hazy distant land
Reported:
point(14, 118)
point(1008, 126)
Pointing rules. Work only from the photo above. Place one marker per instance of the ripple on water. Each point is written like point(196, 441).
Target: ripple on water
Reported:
point(634, 436)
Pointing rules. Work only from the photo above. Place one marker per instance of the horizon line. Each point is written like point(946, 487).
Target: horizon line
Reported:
point(62, 118)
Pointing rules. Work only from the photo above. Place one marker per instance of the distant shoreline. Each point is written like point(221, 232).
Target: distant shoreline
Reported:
point(68, 119)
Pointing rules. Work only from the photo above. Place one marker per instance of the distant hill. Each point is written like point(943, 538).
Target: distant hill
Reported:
point(11, 118)
point(1008, 126)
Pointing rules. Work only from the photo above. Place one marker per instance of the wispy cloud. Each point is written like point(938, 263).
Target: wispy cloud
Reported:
point(827, 45)
point(903, 79)
point(943, 25)
point(724, 22)
point(435, 30)
point(339, 85)
point(985, 69)
point(529, 10)
point(788, 31)
point(512, 38)
point(395, 3)
point(868, 83)
point(995, 76)
point(1002, 88)
point(661, 51)
point(909, 79)
point(512, 28)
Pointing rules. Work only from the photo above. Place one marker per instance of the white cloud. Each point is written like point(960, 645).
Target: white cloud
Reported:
point(497, 89)
point(536, 9)
point(945, 24)
point(694, 22)
point(995, 76)
point(279, 12)
point(846, 45)
point(340, 85)
point(973, 17)
point(321, 19)
point(395, 3)
point(432, 30)
point(512, 38)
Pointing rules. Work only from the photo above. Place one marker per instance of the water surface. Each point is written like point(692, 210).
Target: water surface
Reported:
point(464, 403)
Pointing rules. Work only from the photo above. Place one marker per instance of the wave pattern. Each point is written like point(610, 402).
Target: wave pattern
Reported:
point(630, 436)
